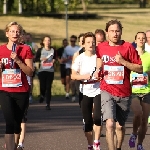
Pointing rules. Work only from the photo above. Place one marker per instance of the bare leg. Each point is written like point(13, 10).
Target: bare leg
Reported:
point(120, 132)
point(73, 88)
point(17, 136)
point(97, 132)
point(110, 132)
point(10, 142)
point(22, 134)
point(143, 127)
point(89, 136)
point(137, 110)
point(67, 84)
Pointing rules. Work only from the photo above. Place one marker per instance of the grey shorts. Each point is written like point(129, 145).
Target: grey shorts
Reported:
point(114, 107)
point(145, 98)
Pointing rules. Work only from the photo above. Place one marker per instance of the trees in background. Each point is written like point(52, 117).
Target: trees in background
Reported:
point(48, 6)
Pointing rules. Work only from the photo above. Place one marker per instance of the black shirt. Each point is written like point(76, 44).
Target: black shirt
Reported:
point(60, 52)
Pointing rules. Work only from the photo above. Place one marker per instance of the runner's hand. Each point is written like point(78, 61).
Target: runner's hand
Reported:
point(86, 76)
point(14, 56)
point(96, 74)
point(1, 65)
point(119, 58)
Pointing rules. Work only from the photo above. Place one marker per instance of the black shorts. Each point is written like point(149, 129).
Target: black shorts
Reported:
point(145, 98)
point(62, 70)
point(68, 72)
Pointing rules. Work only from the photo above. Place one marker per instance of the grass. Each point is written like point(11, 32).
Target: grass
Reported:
point(133, 20)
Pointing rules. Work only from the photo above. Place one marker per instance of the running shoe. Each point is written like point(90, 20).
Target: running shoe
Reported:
point(140, 147)
point(19, 147)
point(48, 107)
point(132, 140)
point(149, 120)
point(30, 99)
point(67, 95)
point(73, 99)
point(90, 147)
point(96, 146)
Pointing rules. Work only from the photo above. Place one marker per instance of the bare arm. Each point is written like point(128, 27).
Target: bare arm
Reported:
point(74, 56)
point(27, 68)
point(133, 67)
point(99, 63)
point(76, 76)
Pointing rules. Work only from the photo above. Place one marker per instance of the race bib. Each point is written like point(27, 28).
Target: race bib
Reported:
point(113, 74)
point(139, 80)
point(47, 65)
point(11, 78)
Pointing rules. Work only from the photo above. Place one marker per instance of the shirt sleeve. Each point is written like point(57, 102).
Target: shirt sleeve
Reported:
point(29, 54)
point(76, 64)
point(98, 51)
point(38, 55)
point(55, 54)
point(133, 55)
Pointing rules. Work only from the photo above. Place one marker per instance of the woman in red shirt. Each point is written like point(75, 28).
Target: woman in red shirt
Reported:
point(15, 63)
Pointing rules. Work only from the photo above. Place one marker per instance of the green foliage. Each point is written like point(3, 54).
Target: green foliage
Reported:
point(48, 6)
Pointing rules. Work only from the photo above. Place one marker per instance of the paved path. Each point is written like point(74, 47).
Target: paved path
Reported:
point(60, 128)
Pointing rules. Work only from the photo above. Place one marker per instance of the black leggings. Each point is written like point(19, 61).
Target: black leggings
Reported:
point(46, 79)
point(13, 106)
point(87, 107)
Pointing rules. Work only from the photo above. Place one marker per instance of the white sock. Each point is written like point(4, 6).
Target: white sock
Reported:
point(96, 141)
point(20, 144)
point(67, 94)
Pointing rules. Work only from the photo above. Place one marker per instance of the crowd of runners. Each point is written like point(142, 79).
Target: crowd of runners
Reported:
point(108, 75)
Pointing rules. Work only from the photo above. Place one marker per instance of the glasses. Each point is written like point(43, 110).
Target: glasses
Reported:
point(73, 41)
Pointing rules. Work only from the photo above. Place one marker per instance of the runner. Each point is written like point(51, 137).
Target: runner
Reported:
point(81, 49)
point(16, 62)
point(140, 95)
point(119, 57)
point(100, 36)
point(29, 41)
point(147, 48)
point(67, 59)
point(46, 71)
point(62, 65)
point(90, 89)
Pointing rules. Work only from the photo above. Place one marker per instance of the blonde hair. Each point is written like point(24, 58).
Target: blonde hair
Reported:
point(14, 23)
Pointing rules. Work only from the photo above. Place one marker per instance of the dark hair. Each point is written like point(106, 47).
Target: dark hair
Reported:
point(29, 34)
point(138, 33)
point(80, 35)
point(41, 43)
point(73, 36)
point(100, 31)
point(88, 34)
point(64, 40)
point(23, 31)
point(112, 22)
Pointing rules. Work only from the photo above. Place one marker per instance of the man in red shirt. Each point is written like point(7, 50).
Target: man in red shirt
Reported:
point(119, 59)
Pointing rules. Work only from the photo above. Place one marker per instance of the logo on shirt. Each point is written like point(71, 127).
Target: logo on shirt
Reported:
point(107, 58)
point(6, 61)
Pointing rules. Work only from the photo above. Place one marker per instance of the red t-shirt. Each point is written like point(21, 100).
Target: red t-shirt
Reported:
point(23, 52)
point(120, 84)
